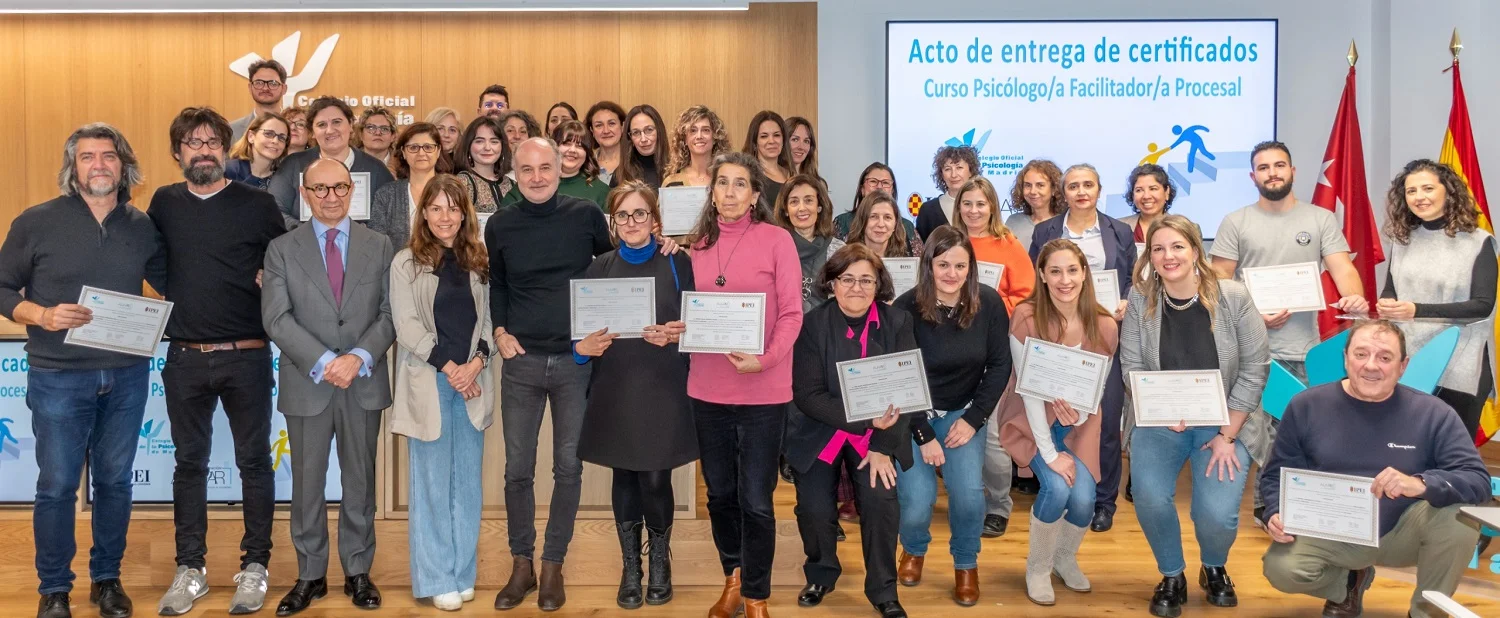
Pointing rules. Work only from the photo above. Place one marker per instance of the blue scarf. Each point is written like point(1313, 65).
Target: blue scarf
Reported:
point(644, 254)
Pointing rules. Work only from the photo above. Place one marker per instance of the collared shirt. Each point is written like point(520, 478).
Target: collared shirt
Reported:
point(341, 241)
point(1091, 241)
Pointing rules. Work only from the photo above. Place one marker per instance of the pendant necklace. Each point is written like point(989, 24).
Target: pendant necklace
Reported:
point(721, 280)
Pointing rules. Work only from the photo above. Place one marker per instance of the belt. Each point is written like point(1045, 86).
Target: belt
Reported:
point(243, 344)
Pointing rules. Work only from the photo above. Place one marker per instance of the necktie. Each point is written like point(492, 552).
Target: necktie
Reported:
point(335, 266)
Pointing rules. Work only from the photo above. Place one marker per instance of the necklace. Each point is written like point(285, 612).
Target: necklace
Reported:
point(1168, 299)
point(721, 280)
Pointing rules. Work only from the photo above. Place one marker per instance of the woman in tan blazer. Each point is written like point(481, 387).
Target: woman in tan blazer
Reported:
point(444, 397)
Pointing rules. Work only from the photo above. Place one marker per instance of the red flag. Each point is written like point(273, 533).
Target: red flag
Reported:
point(1342, 189)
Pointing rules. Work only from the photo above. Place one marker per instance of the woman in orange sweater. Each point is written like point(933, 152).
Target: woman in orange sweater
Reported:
point(979, 219)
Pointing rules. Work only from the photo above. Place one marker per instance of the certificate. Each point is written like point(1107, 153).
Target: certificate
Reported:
point(680, 207)
point(870, 386)
point(624, 306)
point(121, 323)
point(1333, 507)
point(719, 322)
point(1165, 398)
point(1107, 290)
point(1140, 250)
point(1051, 371)
point(991, 273)
point(359, 197)
point(1292, 287)
point(903, 273)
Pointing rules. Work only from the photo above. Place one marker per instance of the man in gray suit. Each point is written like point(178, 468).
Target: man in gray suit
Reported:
point(325, 305)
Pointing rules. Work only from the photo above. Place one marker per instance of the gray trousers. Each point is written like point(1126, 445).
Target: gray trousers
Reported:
point(527, 384)
point(997, 500)
point(357, 433)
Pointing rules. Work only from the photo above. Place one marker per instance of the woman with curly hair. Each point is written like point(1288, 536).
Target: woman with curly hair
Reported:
point(1149, 193)
point(698, 138)
point(1036, 196)
point(1442, 266)
point(952, 166)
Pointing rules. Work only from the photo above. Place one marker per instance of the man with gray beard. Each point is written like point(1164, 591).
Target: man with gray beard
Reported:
point(216, 233)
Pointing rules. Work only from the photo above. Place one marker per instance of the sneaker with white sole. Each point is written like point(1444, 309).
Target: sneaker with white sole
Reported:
point(467, 595)
point(448, 601)
point(188, 585)
point(250, 590)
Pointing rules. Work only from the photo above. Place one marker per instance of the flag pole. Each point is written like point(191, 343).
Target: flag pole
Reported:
point(1353, 55)
point(1455, 46)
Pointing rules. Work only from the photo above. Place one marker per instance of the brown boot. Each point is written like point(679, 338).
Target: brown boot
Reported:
point(1354, 600)
point(966, 587)
point(909, 569)
point(729, 603)
point(551, 597)
point(756, 608)
point(522, 582)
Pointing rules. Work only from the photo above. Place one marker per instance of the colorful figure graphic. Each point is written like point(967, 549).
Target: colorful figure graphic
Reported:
point(5, 433)
point(1153, 154)
point(1194, 141)
point(279, 448)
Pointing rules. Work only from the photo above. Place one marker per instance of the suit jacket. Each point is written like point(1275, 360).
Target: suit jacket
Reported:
point(1119, 245)
point(299, 313)
point(286, 184)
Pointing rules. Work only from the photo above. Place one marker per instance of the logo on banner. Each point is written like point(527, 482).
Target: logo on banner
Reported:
point(285, 52)
point(11, 446)
point(992, 164)
point(151, 442)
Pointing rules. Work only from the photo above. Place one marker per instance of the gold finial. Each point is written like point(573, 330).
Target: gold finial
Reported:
point(1455, 45)
point(1353, 55)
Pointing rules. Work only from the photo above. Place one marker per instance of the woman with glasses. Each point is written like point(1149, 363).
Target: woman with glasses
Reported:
point(1036, 196)
point(296, 118)
point(876, 177)
point(648, 149)
point(374, 132)
point(877, 224)
point(803, 146)
point(697, 140)
point(822, 445)
point(482, 157)
point(417, 161)
point(450, 127)
point(559, 112)
point(259, 151)
point(605, 122)
point(640, 421)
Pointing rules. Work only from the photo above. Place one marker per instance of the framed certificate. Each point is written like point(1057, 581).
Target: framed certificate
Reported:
point(121, 323)
point(1333, 507)
point(624, 306)
point(721, 322)
point(1291, 287)
point(1051, 371)
point(359, 198)
point(869, 386)
point(990, 273)
point(1166, 398)
point(1107, 290)
point(903, 273)
point(680, 207)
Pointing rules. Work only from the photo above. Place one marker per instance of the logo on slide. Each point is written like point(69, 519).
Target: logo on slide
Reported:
point(285, 53)
point(968, 140)
point(10, 445)
point(152, 442)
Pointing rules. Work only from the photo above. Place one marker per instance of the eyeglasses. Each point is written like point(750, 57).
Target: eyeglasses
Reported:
point(321, 191)
point(300, 124)
point(272, 135)
point(379, 129)
point(416, 148)
point(638, 216)
point(213, 143)
point(877, 183)
point(494, 105)
point(848, 282)
point(646, 132)
point(265, 84)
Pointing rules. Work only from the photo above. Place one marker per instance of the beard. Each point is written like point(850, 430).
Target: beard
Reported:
point(203, 174)
point(1278, 193)
point(100, 186)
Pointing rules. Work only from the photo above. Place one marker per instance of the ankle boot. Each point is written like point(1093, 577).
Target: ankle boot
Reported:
point(629, 596)
point(1065, 559)
point(1040, 559)
point(729, 603)
point(757, 608)
point(550, 596)
point(660, 546)
point(522, 583)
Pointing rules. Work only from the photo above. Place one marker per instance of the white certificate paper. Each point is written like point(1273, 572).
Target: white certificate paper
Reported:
point(1291, 287)
point(720, 322)
point(990, 274)
point(1140, 250)
point(1166, 398)
point(1050, 371)
point(624, 306)
point(870, 386)
point(680, 207)
point(903, 273)
point(1333, 507)
point(122, 322)
point(1107, 290)
point(359, 198)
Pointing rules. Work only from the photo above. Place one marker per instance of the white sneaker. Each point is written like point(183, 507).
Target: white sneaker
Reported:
point(467, 595)
point(448, 601)
point(187, 586)
point(250, 594)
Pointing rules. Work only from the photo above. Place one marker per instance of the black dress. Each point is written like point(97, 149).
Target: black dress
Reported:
point(639, 416)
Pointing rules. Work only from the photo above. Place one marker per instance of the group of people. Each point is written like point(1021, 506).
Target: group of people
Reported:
point(272, 258)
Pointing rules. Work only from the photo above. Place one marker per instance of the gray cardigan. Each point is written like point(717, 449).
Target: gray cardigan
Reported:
point(390, 212)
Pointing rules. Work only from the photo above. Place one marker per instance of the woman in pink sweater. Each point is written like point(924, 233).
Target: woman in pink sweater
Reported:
point(739, 400)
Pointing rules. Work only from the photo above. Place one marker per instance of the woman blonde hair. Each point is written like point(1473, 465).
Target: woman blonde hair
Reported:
point(995, 227)
point(898, 245)
point(682, 157)
point(1148, 281)
point(1047, 319)
point(427, 252)
point(243, 150)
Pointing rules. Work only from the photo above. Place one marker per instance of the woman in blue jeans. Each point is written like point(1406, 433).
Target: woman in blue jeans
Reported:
point(1182, 317)
point(961, 328)
point(444, 397)
point(1061, 443)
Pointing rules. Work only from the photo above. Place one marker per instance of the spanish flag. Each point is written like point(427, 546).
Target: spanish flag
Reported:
point(1459, 154)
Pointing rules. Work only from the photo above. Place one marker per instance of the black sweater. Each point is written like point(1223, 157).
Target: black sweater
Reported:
point(534, 250)
point(966, 368)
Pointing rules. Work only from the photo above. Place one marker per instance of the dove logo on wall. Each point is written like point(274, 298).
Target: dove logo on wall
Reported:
point(285, 52)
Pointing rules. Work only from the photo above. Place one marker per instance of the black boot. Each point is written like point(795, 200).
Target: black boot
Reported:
point(659, 543)
point(1170, 594)
point(787, 473)
point(1215, 581)
point(629, 596)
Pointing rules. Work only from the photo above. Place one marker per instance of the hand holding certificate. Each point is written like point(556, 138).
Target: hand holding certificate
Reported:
point(624, 306)
point(1166, 398)
point(719, 322)
point(121, 322)
point(1291, 287)
point(1333, 507)
point(680, 207)
point(870, 386)
point(903, 273)
point(1051, 371)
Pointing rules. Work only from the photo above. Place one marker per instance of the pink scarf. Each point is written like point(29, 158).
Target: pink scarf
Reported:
point(861, 443)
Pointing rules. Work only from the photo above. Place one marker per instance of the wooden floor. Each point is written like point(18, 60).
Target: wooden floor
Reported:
point(1119, 562)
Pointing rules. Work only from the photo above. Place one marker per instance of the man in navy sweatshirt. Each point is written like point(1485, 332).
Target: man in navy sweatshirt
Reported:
point(1424, 465)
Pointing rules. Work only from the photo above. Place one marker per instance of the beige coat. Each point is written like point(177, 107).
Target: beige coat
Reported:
point(414, 411)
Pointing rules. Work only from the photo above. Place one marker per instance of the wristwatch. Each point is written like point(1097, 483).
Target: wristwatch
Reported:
point(1228, 438)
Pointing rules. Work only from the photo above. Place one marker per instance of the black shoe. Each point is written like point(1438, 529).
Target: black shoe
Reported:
point(659, 591)
point(841, 535)
point(1103, 520)
point(302, 594)
point(1130, 491)
point(630, 595)
point(994, 526)
point(787, 473)
point(362, 591)
point(54, 605)
point(111, 598)
point(812, 595)
point(1026, 486)
point(1215, 581)
point(1170, 594)
point(891, 609)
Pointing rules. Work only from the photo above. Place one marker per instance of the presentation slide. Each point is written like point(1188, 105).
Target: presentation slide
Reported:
point(1191, 96)
point(154, 462)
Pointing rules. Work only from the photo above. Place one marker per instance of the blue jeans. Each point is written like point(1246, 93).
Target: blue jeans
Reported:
point(1054, 497)
point(78, 415)
point(1156, 458)
point(963, 475)
point(445, 501)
